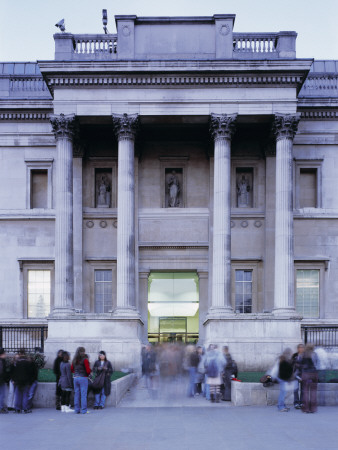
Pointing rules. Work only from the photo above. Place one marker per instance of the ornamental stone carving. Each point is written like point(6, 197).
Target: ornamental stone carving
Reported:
point(125, 126)
point(222, 125)
point(285, 126)
point(64, 126)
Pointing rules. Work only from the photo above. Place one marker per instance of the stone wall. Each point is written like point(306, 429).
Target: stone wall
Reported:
point(45, 393)
point(255, 394)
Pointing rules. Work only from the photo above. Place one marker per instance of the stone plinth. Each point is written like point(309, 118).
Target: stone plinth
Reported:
point(119, 338)
point(255, 394)
point(254, 340)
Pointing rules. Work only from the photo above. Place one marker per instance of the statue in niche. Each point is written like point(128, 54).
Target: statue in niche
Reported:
point(173, 190)
point(243, 189)
point(103, 199)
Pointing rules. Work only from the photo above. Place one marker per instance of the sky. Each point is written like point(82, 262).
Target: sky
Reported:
point(27, 26)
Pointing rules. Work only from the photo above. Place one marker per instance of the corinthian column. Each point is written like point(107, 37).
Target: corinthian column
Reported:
point(222, 128)
point(284, 128)
point(125, 127)
point(64, 128)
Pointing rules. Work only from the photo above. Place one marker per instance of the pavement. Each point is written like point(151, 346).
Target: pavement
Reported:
point(171, 422)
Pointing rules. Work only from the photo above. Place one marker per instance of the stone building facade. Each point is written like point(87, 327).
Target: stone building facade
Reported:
point(175, 181)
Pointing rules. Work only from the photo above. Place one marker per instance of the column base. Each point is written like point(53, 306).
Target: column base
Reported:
point(254, 340)
point(120, 338)
point(127, 313)
point(215, 313)
point(62, 312)
point(286, 312)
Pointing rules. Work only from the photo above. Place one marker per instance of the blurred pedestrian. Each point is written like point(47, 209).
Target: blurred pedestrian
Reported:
point(24, 373)
point(297, 372)
point(309, 379)
point(285, 373)
point(214, 365)
point(81, 369)
point(4, 378)
point(229, 371)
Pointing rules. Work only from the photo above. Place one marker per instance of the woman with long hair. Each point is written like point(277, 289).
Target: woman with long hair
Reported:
point(102, 366)
point(81, 369)
point(66, 383)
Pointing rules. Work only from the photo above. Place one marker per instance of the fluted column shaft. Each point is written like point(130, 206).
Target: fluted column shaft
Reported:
point(221, 127)
point(285, 127)
point(64, 128)
point(125, 128)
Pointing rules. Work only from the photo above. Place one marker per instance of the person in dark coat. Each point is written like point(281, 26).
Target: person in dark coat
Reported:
point(309, 379)
point(102, 365)
point(65, 383)
point(285, 373)
point(56, 369)
point(297, 372)
point(24, 373)
point(4, 378)
point(229, 371)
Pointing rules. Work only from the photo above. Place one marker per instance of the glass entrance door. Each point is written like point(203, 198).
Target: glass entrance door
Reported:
point(173, 307)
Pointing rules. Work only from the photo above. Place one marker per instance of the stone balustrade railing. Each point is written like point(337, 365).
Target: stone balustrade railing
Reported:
point(95, 46)
point(255, 43)
point(32, 83)
point(264, 45)
point(106, 46)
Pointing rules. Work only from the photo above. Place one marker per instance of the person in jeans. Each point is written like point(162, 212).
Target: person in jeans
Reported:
point(297, 371)
point(65, 383)
point(102, 365)
point(3, 380)
point(80, 369)
point(24, 373)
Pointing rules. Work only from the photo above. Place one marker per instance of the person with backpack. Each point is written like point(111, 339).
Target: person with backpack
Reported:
point(214, 365)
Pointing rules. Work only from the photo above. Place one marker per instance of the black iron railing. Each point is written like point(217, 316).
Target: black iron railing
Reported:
point(12, 338)
point(185, 338)
point(320, 336)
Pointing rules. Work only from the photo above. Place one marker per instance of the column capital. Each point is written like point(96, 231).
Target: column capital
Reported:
point(222, 125)
point(285, 125)
point(125, 125)
point(64, 126)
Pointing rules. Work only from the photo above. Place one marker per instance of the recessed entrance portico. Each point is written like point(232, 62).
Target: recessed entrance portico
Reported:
point(173, 307)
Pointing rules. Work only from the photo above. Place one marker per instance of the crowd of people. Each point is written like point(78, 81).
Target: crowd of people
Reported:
point(210, 371)
point(76, 376)
point(299, 372)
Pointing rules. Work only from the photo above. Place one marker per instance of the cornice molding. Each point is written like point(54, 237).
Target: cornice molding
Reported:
point(234, 80)
point(25, 115)
point(319, 114)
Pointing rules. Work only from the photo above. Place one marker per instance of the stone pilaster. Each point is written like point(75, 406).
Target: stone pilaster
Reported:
point(78, 225)
point(64, 128)
point(222, 128)
point(125, 127)
point(284, 128)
